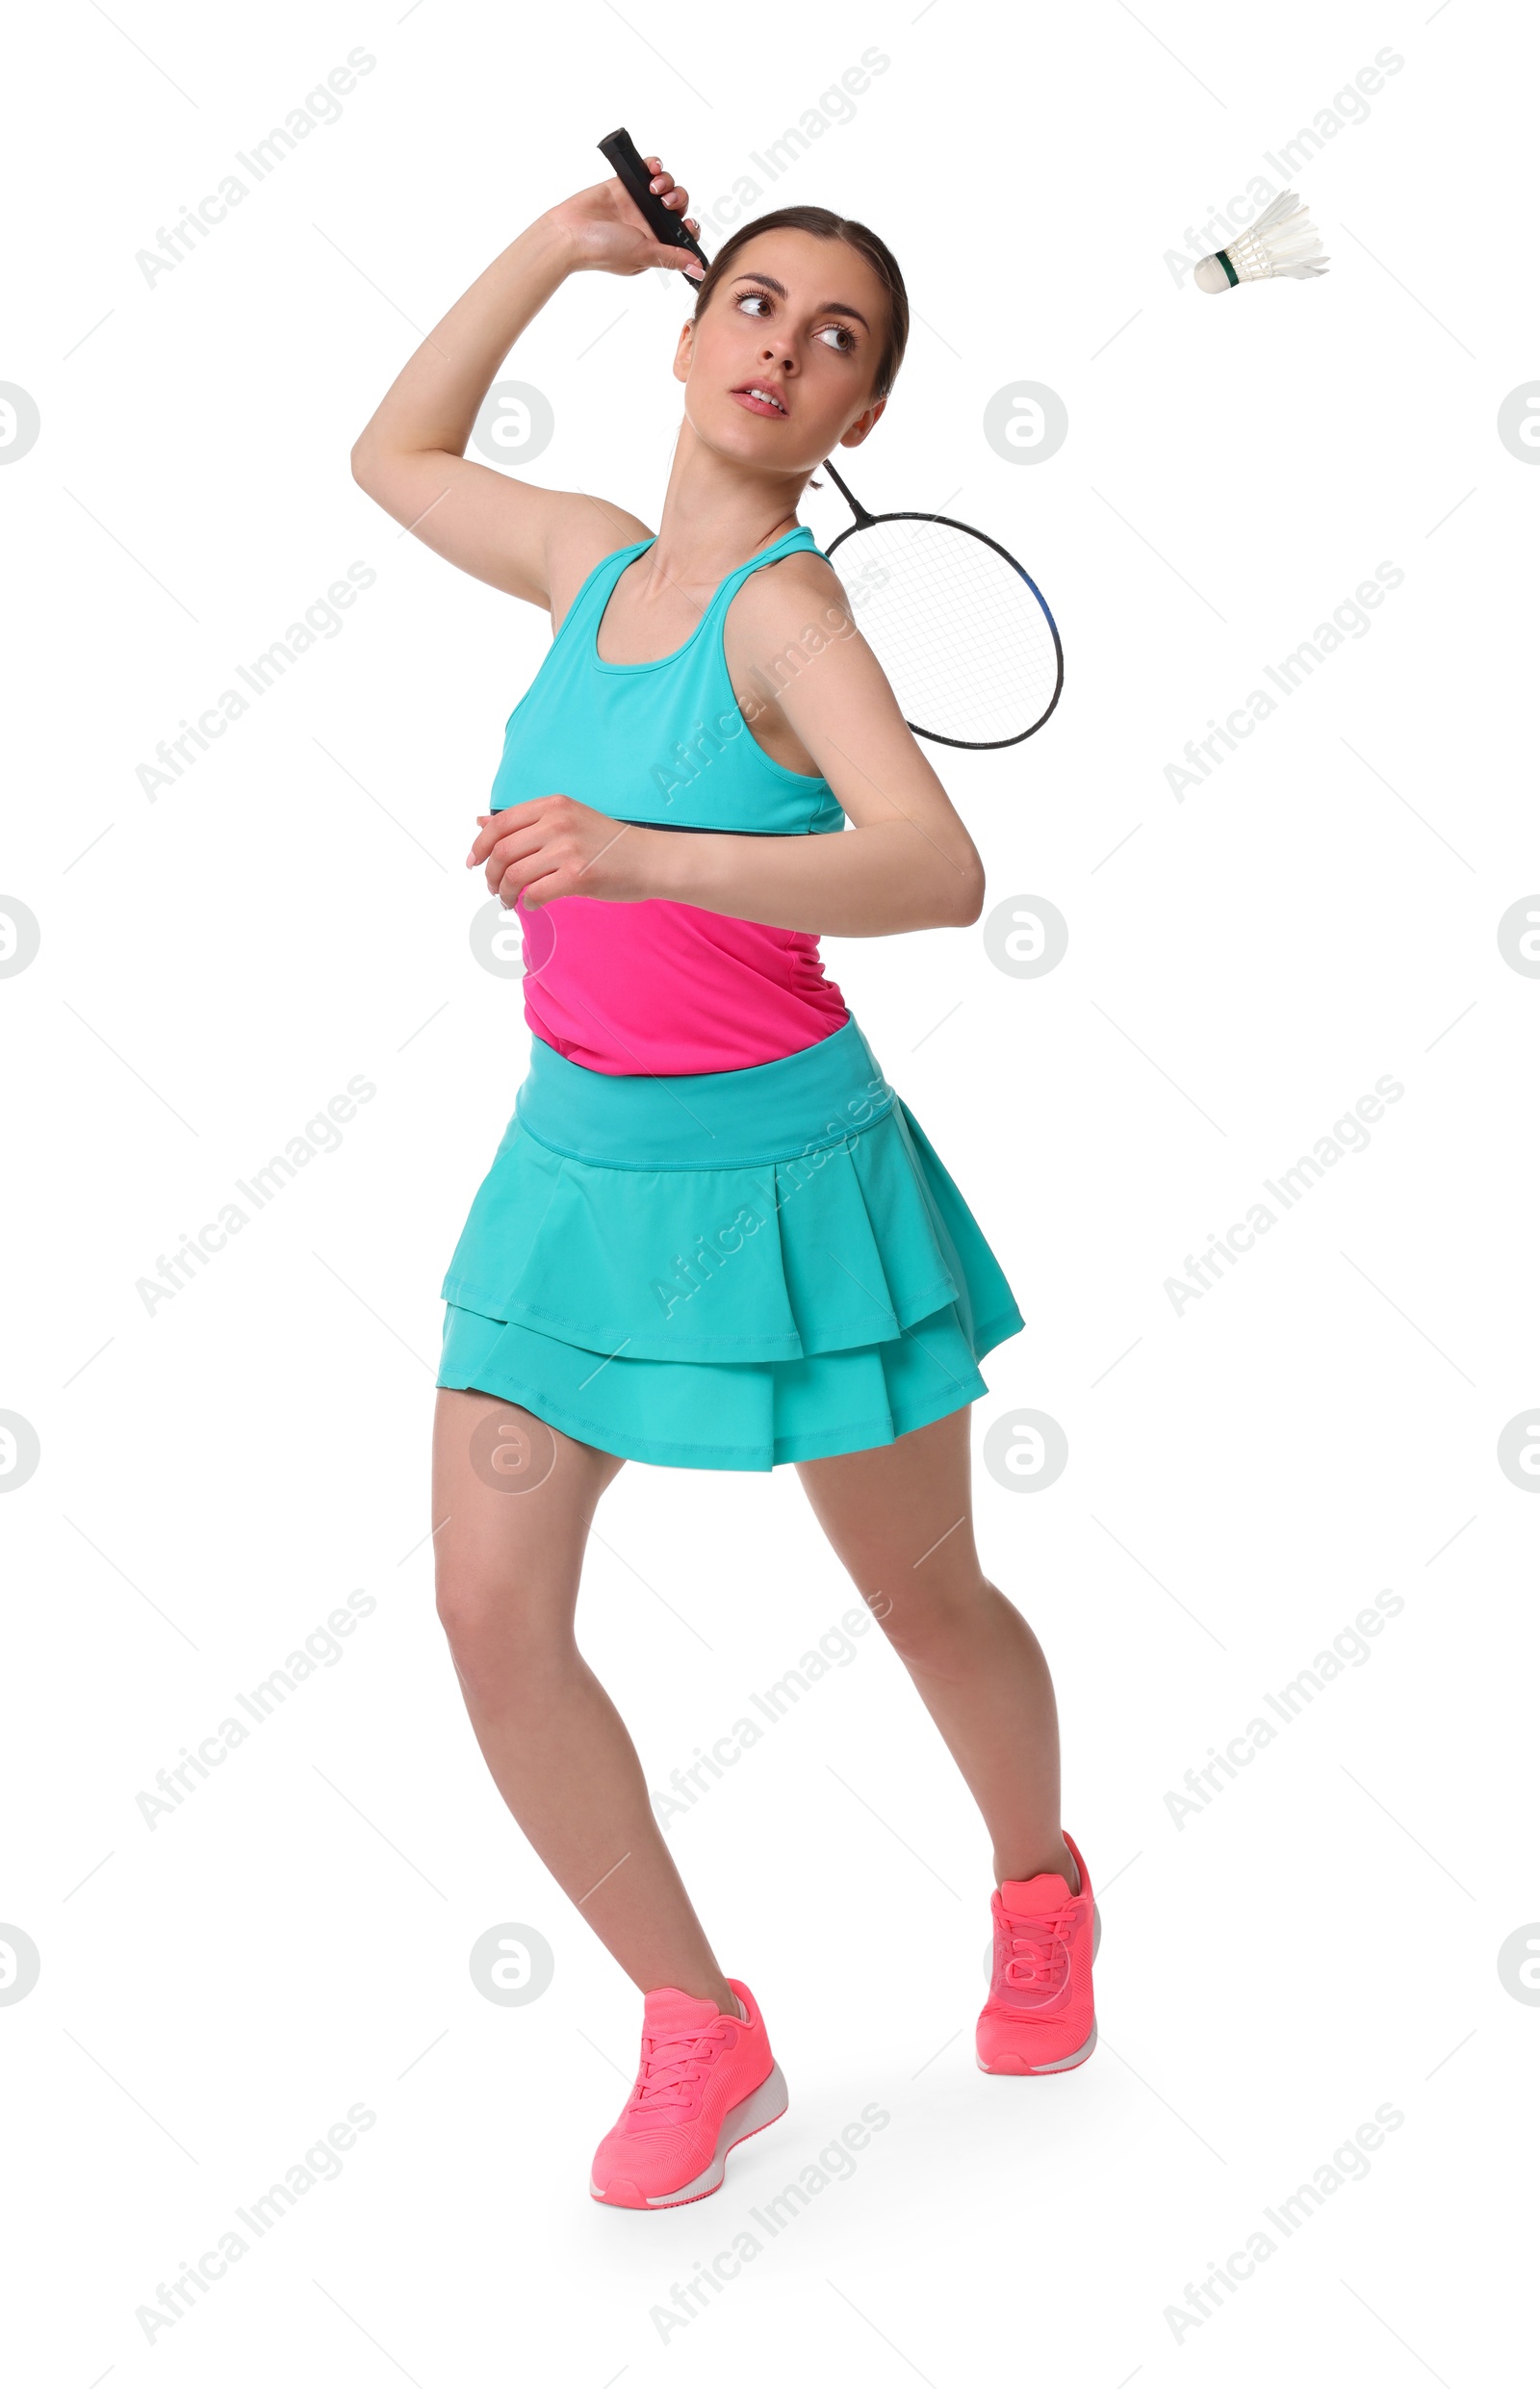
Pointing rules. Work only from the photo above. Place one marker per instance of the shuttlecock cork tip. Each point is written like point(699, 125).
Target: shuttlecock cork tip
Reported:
point(1210, 275)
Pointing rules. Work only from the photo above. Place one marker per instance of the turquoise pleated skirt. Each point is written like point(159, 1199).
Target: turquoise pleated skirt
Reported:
point(731, 1271)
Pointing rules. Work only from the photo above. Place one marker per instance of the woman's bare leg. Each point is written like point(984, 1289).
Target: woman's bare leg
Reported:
point(901, 1519)
point(513, 1501)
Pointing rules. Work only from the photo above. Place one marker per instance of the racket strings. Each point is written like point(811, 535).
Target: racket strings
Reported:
point(959, 632)
point(967, 635)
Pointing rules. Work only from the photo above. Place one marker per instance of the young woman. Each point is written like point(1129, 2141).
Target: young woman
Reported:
point(712, 1236)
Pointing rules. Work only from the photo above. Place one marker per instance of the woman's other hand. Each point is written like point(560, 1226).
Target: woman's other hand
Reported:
point(552, 846)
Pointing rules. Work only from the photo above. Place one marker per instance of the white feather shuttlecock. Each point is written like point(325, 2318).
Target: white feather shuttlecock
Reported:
point(1283, 241)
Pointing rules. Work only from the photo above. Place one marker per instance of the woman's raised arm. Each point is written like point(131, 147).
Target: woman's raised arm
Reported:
point(410, 455)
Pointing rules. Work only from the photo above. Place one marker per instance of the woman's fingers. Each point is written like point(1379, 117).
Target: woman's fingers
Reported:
point(508, 819)
point(663, 187)
point(676, 198)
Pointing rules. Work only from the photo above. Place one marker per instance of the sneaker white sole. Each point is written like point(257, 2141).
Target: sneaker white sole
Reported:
point(764, 2106)
point(1056, 2066)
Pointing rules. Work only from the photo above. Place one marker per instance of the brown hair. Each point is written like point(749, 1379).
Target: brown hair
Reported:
point(825, 225)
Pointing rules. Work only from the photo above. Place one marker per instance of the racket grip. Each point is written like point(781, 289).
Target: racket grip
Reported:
point(664, 223)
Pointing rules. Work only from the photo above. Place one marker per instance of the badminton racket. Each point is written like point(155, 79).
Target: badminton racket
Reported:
point(963, 632)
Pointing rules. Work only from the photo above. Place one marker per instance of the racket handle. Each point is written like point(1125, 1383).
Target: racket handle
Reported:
point(663, 223)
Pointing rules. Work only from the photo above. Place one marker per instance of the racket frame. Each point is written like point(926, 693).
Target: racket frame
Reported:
point(865, 521)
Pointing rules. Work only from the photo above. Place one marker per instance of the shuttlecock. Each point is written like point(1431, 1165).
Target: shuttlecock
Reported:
point(1281, 241)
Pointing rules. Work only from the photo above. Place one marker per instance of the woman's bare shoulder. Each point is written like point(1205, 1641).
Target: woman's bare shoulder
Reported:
point(583, 530)
point(798, 598)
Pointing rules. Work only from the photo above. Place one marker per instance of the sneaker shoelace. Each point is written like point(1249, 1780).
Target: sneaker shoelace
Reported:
point(1037, 1953)
point(674, 2066)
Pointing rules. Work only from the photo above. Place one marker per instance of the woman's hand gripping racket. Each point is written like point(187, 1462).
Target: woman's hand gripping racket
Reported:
point(961, 630)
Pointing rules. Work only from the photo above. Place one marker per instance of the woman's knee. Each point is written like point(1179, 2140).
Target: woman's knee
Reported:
point(934, 1625)
point(500, 1636)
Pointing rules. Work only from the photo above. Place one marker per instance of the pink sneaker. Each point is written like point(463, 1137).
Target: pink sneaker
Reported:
point(707, 2080)
point(1041, 2014)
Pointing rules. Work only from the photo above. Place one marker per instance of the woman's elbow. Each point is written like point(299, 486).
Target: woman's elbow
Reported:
point(967, 895)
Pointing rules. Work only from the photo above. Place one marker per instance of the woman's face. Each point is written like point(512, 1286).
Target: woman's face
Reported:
point(801, 321)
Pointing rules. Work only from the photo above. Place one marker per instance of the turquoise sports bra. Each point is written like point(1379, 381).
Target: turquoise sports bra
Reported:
point(663, 742)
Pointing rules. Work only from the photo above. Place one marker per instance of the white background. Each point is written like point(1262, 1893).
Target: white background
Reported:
point(1244, 1476)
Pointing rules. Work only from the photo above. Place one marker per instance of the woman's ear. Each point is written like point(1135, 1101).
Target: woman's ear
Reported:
point(865, 423)
point(684, 352)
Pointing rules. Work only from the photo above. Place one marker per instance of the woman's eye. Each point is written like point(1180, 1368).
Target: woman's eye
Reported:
point(837, 336)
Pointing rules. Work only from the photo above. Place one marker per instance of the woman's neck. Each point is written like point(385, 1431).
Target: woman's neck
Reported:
point(716, 514)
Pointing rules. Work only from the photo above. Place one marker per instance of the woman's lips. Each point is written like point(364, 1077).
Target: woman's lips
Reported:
point(758, 406)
